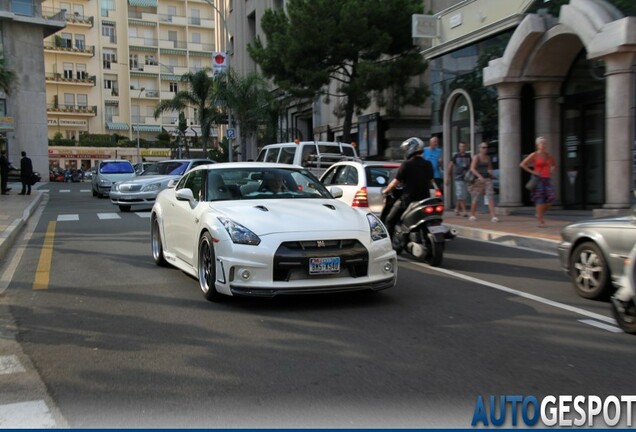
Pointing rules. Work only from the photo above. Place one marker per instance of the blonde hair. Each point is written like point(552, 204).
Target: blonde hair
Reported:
point(539, 139)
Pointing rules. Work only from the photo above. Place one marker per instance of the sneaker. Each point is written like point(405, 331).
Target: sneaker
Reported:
point(472, 218)
point(495, 219)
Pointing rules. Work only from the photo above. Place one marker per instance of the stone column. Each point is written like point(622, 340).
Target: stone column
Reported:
point(509, 100)
point(619, 127)
point(548, 124)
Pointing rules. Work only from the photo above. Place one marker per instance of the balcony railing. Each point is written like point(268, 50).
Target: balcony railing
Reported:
point(175, 44)
point(203, 46)
point(171, 18)
point(152, 93)
point(60, 44)
point(67, 77)
point(137, 119)
point(72, 109)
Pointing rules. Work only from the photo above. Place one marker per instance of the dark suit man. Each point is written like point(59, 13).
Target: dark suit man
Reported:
point(26, 172)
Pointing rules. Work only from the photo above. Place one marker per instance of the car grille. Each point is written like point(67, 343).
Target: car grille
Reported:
point(291, 261)
point(129, 188)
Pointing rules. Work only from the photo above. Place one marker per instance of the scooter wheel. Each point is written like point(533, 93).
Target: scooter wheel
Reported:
point(626, 317)
point(435, 253)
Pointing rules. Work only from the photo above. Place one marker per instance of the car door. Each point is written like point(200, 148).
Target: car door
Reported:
point(183, 217)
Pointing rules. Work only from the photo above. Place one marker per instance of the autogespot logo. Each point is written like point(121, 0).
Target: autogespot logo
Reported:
point(559, 411)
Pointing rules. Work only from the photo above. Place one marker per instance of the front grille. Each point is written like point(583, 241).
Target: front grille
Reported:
point(130, 188)
point(291, 261)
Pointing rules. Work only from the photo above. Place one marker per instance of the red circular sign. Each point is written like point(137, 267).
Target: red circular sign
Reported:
point(219, 59)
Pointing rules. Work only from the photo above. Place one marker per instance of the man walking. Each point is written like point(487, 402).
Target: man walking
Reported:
point(26, 172)
point(4, 173)
point(433, 154)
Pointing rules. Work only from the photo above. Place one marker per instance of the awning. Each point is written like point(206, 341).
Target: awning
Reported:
point(146, 128)
point(117, 126)
point(201, 54)
point(109, 22)
point(143, 74)
point(108, 102)
point(170, 77)
point(143, 3)
point(142, 48)
point(171, 130)
point(196, 131)
point(141, 23)
point(173, 51)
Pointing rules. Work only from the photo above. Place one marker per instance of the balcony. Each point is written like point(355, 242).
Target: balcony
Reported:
point(164, 43)
point(173, 19)
point(142, 16)
point(81, 79)
point(32, 12)
point(64, 46)
point(198, 46)
point(201, 22)
point(152, 94)
point(140, 41)
point(74, 110)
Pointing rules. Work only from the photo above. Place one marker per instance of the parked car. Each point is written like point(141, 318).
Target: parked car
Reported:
point(313, 155)
point(108, 172)
point(593, 253)
point(142, 190)
point(361, 182)
point(258, 229)
point(141, 167)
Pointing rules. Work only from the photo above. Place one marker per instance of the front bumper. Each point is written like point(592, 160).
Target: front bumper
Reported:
point(133, 199)
point(255, 291)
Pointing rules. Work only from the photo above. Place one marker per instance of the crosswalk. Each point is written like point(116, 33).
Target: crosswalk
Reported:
point(65, 190)
point(101, 216)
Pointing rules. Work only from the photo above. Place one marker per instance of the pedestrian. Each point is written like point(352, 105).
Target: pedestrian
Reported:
point(460, 163)
point(4, 172)
point(481, 166)
point(26, 172)
point(543, 194)
point(433, 154)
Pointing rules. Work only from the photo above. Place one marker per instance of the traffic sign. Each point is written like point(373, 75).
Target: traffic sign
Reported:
point(230, 133)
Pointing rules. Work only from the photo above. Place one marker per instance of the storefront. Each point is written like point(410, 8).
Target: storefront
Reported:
point(84, 158)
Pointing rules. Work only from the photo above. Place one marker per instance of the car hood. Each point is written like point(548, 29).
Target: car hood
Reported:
point(145, 180)
point(116, 177)
point(265, 217)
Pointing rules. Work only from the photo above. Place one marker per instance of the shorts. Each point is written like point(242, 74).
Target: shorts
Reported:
point(461, 192)
point(543, 193)
point(482, 187)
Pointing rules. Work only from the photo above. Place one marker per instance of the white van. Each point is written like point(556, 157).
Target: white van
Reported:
point(317, 156)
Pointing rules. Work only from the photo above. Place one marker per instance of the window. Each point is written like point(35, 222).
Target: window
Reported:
point(172, 36)
point(78, 10)
point(108, 30)
point(134, 62)
point(69, 100)
point(151, 60)
point(80, 71)
point(23, 7)
point(174, 87)
point(196, 37)
point(68, 70)
point(80, 42)
point(108, 57)
point(272, 154)
point(111, 111)
point(172, 11)
point(195, 16)
point(66, 7)
point(82, 100)
point(107, 5)
point(66, 40)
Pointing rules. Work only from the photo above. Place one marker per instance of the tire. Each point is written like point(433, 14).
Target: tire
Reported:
point(94, 193)
point(626, 318)
point(157, 245)
point(207, 268)
point(589, 272)
point(124, 208)
point(435, 252)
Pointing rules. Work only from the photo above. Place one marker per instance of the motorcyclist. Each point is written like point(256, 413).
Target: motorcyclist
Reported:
point(415, 175)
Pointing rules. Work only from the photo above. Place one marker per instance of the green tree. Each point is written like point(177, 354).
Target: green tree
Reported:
point(8, 78)
point(363, 46)
point(248, 98)
point(201, 93)
point(182, 127)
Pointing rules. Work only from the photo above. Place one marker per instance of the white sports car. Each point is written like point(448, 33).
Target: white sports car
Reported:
point(259, 229)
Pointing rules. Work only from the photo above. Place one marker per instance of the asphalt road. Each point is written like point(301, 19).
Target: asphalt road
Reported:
point(120, 342)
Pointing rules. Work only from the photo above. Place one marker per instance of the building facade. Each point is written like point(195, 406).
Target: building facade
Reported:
point(117, 60)
point(565, 72)
point(23, 23)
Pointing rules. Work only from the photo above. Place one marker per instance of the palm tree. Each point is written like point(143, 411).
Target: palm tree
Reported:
point(7, 77)
point(201, 93)
point(248, 98)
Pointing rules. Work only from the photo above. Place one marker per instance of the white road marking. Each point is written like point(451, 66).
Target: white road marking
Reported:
point(26, 415)
point(67, 217)
point(145, 215)
point(526, 295)
point(603, 326)
point(10, 364)
point(44, 190)
point(103, 216)
point(85, 190)
point(64, 190)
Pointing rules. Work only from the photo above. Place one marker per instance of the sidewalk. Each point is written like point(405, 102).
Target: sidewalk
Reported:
point(15, 211)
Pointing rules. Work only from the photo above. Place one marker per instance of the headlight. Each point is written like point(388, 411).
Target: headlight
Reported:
point(104, 182)
point(238, 233)
point(378, 232)
point(115, 187)
point(151, 187)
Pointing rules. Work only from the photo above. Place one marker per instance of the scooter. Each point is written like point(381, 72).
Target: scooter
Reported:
point(623, 303)
point(421, 231)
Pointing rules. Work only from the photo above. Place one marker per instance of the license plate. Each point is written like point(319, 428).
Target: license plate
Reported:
point(437, 229)
point(319, 266)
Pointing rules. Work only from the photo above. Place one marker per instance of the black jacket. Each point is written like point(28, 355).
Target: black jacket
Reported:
point(26, 168)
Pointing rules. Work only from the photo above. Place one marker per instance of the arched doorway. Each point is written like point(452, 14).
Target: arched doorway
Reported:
point(459, 125)
point(583, 130)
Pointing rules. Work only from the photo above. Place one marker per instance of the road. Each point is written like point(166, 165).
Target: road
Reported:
point(119, 342)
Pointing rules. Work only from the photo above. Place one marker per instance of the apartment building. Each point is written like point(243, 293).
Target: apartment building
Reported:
point(116, 60)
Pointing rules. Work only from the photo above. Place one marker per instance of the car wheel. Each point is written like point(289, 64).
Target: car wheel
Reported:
point(589, 272)
point(157, 245)
point(124, 208)
point(207, 268)
point(94, 193)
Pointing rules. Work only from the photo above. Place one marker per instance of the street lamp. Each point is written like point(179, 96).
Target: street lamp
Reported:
point(138, 150)
point(227, 59)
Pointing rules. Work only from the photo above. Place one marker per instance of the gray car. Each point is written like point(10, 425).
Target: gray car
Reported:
point(593, 253)
point(143, 189)
point(109, 172)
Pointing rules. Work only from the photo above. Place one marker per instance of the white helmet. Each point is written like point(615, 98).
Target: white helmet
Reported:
point(412, 146)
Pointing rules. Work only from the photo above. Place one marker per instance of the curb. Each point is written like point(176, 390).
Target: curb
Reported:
point(507, 239)
point(7, 238)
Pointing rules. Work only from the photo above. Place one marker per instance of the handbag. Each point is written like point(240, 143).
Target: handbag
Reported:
point(532, 183)
point(35, 177)
point(470, 177)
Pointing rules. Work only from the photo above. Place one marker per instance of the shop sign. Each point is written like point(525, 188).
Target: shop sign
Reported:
point(7, 123)
point(52, 122)
point(156, 153)
point(79, 156)
point(73, 123)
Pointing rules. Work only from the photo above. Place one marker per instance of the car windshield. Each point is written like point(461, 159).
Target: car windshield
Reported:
point(116, 168)
point(167, 168)
point(262, 183)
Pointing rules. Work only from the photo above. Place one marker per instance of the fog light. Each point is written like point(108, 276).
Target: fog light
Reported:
point(388, 267)
point(245, 274)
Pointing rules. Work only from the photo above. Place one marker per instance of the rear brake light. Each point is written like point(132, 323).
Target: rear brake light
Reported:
point(438, 193)
point(361, 198)
point(439, 209)
point(428, 209)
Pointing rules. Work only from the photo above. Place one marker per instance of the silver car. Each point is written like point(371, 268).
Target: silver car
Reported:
point(109, 172)
point(593, 253)
point(361, 182)
point(143, 189)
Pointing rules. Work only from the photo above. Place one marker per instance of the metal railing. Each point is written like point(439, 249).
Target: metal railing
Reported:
point(152, 93)
point(76, 109)
point(204, 46)
point(168, 18)
point(63, 45)
point(176, 44)
point(82, 78)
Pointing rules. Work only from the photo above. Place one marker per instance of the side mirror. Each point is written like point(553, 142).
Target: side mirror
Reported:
point(185, 194)
point(172, 183)
point(336, 191)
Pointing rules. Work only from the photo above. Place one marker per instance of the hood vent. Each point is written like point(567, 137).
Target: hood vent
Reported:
point(262, 208)
point(330, 206)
